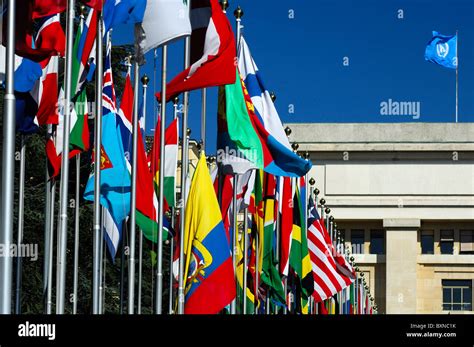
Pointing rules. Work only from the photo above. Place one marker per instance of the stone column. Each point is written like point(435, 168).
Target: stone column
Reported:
point(401, 264)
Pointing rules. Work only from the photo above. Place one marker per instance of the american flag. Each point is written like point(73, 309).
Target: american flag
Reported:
point(331, 271)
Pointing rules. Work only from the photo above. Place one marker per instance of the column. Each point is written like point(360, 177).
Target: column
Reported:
point(401, 264)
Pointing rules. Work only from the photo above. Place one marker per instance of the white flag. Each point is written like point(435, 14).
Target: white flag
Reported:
point(163, 22)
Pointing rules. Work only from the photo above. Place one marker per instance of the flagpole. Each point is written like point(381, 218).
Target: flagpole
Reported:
point(47, 225)
point(234, 234)
point(257, 274)
point(144, 81)
point(8, 166)
point(457, 78)
point(203, 118)
point(21, 215)
point(159, 270)
point(63, 212)
point(171, 277)
point(122, 268)
point(49, 294)
point(184, 172)
point(103, 270)
point(173, 217)
point(76, 216)
point(76, 235)
point(133, 201)
point(101, 265)
point(245, 269)
point(96, 280)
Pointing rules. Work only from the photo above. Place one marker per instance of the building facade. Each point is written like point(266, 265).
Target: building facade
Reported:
point(403, 198)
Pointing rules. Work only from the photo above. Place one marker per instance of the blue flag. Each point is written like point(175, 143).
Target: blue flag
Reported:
point(124, 11)
point(114, 177)
point(442, 50)
point(27, 72)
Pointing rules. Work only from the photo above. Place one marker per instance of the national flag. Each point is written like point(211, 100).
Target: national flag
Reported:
point(171, 161)
point(239, 147)
point(212, 51)
point(443, 50)
point(249, 295)
point(117, 12)
point(286, 222)
point(164, 21)
point(299, 254)
point(147, 202)
point(330, 270)
point(45, 91)
point(26, 74)
point(84, 52)
point(24, 32)
point(209, 272)
point(270, 275)
point(44, 8)
point(54, 142)
point(114, 176)
point(245, 186)
point(286, 162)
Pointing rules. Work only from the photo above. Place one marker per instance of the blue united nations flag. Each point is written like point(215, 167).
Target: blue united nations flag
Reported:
point(442, 50)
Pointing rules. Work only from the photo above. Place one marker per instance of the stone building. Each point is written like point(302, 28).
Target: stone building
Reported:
point(403, 195)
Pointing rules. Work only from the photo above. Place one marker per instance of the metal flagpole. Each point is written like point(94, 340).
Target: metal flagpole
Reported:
point(145, 81)
point(62, 230)
point(8, 167)
point(457, 78)
point(96, 280)
point(159, 269)
point(246, 250)
point(76, 235)
point(47, 225)
point(173, 217)
point(257, 266)
point(203, 118)
point(122, 268)
point(234, 234)
point(133, 201)
point(101, 265)
point(49, 294)
point(238, 14)
point(104, 272)
point(76, 218)
point(21, 215)
point(171, 277)
point(184, 172)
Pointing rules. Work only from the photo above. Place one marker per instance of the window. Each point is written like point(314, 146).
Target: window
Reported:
point(457, 295)
point(377, 242)
point(357, 241)
point(447, 242)
point(427, 242)
point(467, 242)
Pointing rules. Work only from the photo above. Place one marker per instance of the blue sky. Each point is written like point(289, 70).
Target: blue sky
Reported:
point(300, 47)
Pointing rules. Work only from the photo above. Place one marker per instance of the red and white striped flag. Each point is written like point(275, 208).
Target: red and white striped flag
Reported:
point(331, 271)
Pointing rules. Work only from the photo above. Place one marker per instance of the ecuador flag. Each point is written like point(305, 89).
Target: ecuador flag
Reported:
point(209, 273)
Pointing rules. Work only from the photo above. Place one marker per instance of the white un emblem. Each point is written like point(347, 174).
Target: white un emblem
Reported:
point(442, 49)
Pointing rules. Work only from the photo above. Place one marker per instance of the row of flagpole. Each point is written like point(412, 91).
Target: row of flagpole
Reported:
point(99, 254)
